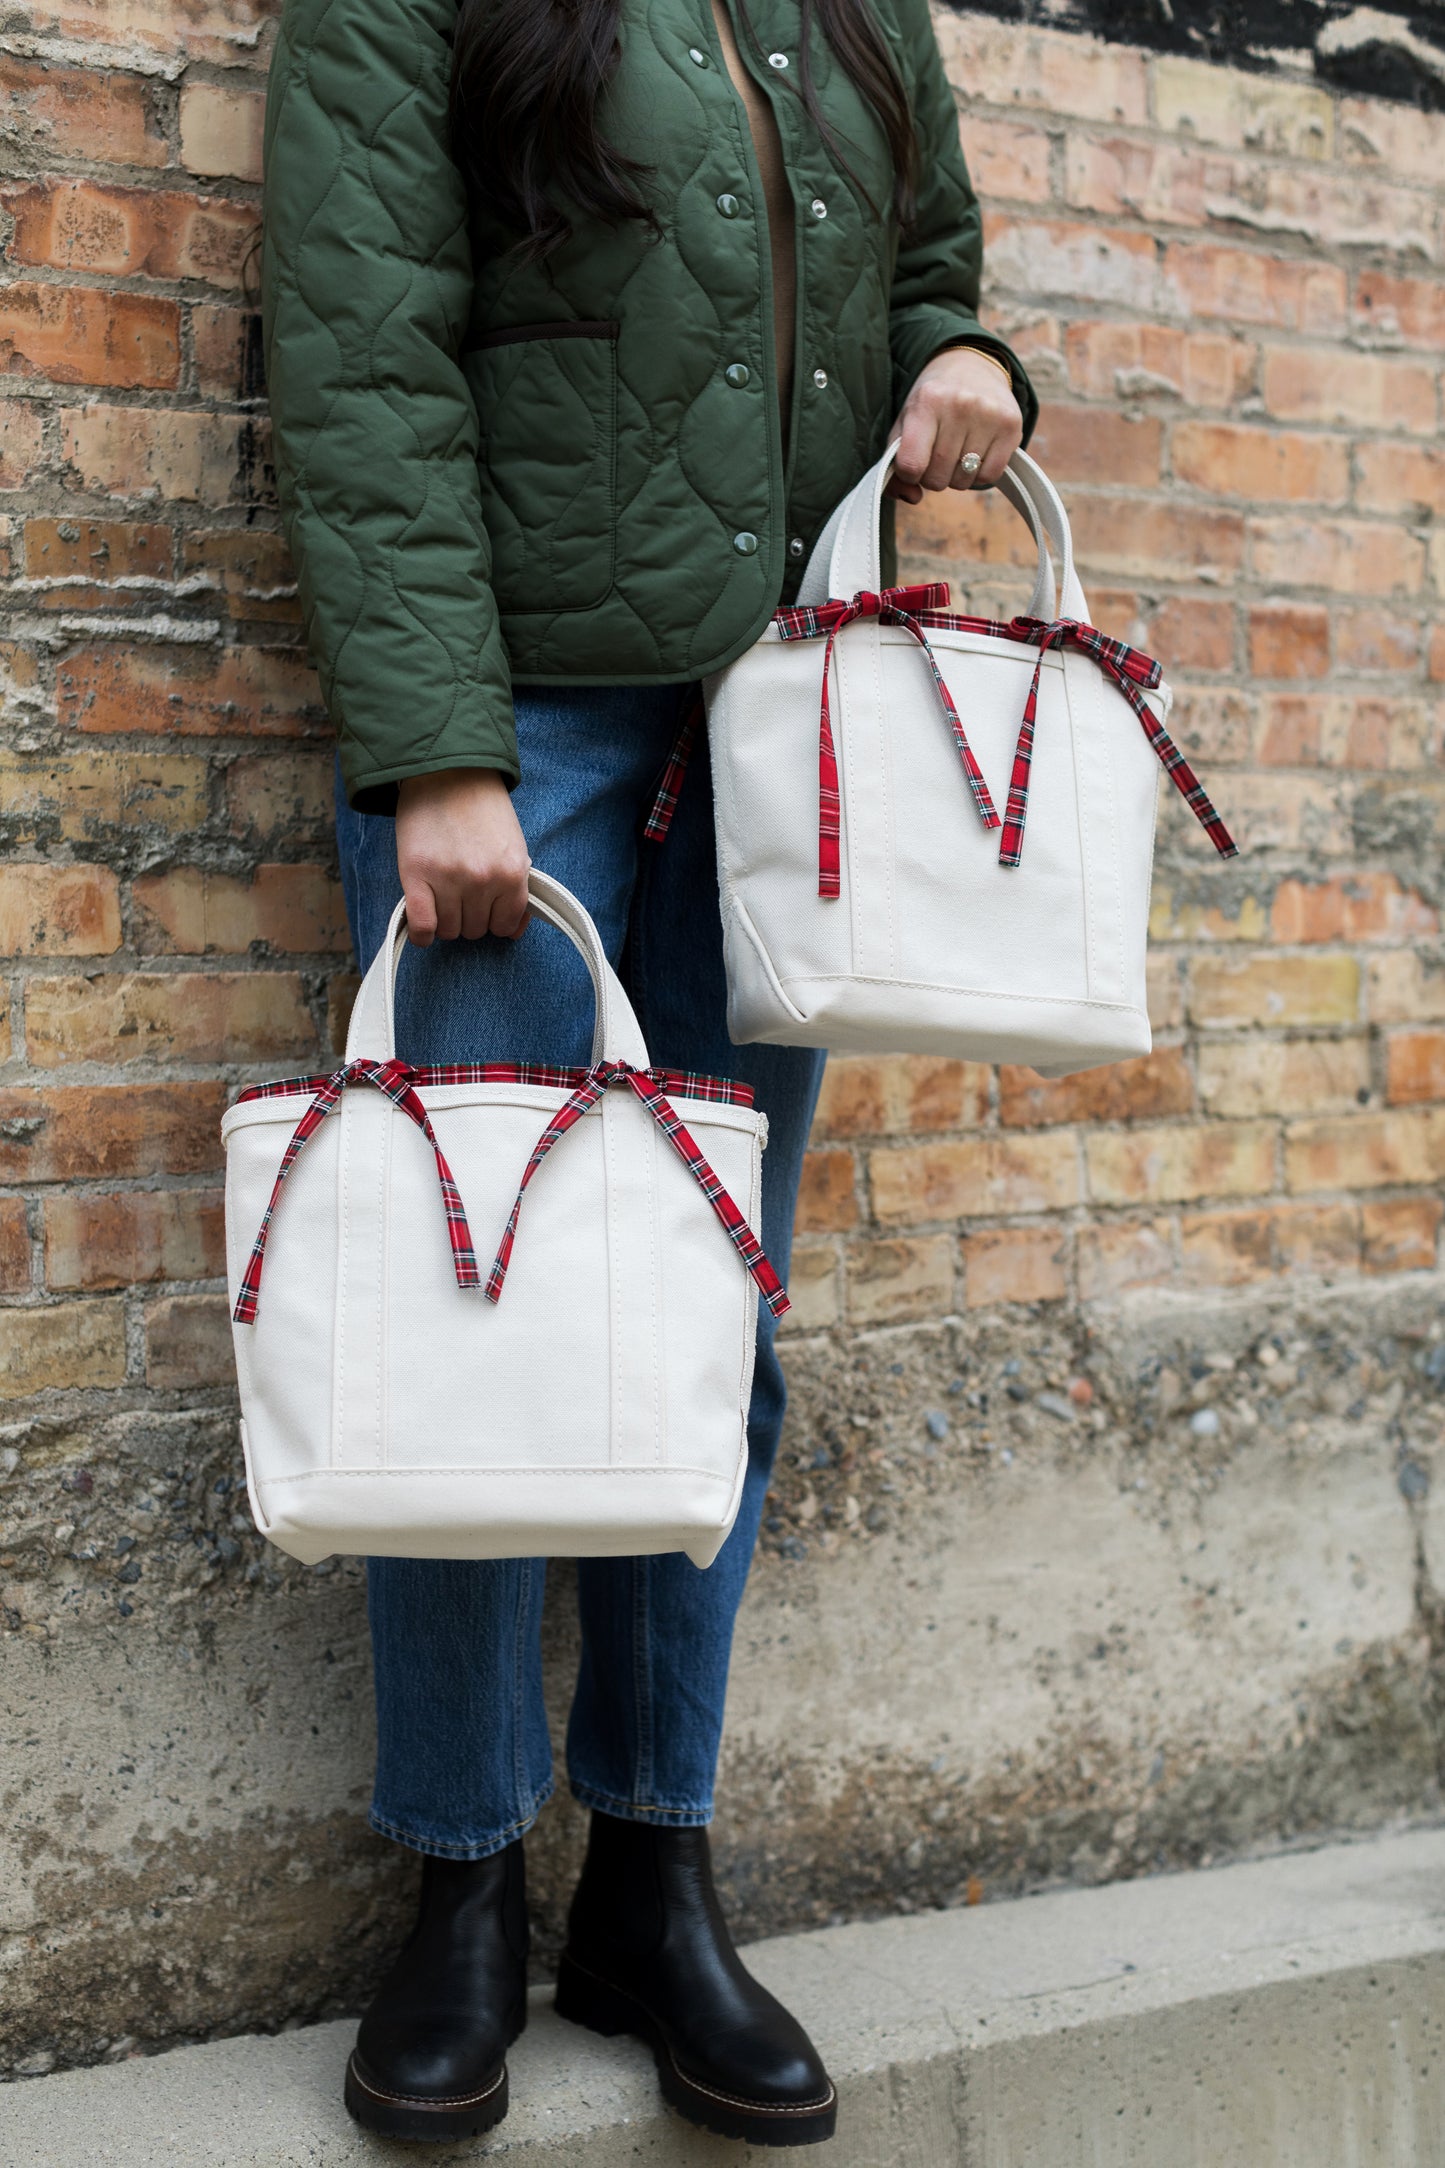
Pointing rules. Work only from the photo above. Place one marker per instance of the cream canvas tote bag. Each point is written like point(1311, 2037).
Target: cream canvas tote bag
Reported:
point(935, 832)
point(588, 1395)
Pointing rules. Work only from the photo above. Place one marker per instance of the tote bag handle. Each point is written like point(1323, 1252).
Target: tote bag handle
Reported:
point(616, 1033)
point(846, 556)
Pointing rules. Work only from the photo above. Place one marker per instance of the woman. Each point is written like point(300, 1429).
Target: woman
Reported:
point(581, 315)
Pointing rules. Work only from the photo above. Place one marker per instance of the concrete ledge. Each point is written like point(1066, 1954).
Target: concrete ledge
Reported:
point(1287, 2013)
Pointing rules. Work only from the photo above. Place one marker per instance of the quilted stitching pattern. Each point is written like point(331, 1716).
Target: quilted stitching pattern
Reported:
point(595, 540)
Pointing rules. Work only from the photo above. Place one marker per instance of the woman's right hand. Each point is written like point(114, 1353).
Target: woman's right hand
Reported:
point(461, 855)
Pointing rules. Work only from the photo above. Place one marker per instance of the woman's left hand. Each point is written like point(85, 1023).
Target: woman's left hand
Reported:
point(961, 407)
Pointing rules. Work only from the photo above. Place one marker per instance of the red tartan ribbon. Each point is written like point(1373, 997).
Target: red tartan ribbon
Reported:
point(1129, 669)
point(895, 606)
point(395, 1078)
point(649, 1091)
point(669, 787)
point(919, 609)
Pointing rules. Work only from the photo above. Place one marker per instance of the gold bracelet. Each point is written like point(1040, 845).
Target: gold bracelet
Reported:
point(985, 354)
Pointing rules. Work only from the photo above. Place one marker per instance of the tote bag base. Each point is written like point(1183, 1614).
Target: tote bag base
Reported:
point(496, 1513)
point(853, 1015)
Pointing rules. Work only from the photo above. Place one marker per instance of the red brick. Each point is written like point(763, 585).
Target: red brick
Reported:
point(1115, 1255)
point(1070, 258)
point(1322, 1238)
point(1372, 639)
point(1015, 1264)
point(827, 1200)
point(1244, 286)
point(212, 459)
point(1331, 384)
point(1437, 654)
point(74, 113)
point(1359, 557)
point(221, 130)
point(975, 527)
point(867, 1096)
point(1225, 1249)
point(1366, 1151)
point(1350, 907)
point(1213, 726)
point(228, 352)
point(1401, 1234)
point(1057, 71)
point(83, 335)
point(75, 225)
point(1192, 632)
point(21, 442)
point(58, 910)
point(1173, 1165)
point(1289, 640)
point(1250, 1075)
point(1081, 443)
point(1009, 163)
point(1111, 360)
point(980, 1177)
point(1146, 1090)
point(249, 573)
point(14, 1247)
point(1410, 309)
point(294, 910)
point(90, 553)
point(251, 691)
point(1404, 478)
point(1274, 989)
point(86, 796)
point(98, 1133)
point(282, 794)
point(1145, 540)
point(1404, 987)
point(1174, 184)
point(247, 1016)
point(891, 1283)
point(1229, 461)
point(1342, 731)
point(1415, 1067)
point(188, 1342)
point(223, 31)
point(125, 1237)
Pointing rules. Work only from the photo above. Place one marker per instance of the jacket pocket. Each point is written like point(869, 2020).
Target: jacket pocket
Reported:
point(546, 399)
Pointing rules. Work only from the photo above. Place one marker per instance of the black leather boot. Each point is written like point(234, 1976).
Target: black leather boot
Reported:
point(430, 2058)
point(648, 1952)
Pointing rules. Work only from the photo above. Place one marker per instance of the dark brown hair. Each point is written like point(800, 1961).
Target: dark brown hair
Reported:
point(527, 78)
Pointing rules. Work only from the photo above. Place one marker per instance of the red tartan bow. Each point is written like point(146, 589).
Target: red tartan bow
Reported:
point(895, 606)
point(395, 1079)
point(649, 1091)
point(1129, 669)
point(919, 608)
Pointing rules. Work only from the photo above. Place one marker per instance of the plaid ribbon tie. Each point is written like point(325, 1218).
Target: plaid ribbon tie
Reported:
point(1129, 670)
point(395, 1079)
point(646, 1087)
point(895, 606)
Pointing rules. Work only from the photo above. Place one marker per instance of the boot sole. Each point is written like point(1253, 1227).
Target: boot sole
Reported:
point(583, 1999)
point(413, 2118)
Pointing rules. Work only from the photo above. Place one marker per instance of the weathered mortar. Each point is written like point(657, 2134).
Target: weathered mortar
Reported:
point(1017, 1643)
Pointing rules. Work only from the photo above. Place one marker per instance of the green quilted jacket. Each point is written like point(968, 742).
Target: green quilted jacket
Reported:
point(574, 472)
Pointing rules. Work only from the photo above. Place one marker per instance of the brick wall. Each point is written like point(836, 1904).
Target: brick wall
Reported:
point(1229, 289)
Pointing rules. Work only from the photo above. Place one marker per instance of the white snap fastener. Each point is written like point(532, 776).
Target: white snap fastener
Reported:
point(795, 547)
point(777, 60)
point(820, 208)
point(820, 378)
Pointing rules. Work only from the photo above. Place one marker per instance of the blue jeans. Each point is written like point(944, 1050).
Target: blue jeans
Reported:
point(463, 1756)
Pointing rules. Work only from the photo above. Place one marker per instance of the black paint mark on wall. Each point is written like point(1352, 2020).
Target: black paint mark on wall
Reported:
point(1389, 49)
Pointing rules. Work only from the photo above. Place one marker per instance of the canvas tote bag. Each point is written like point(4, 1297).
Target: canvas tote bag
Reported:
point(586, 1396)
point(935, 832)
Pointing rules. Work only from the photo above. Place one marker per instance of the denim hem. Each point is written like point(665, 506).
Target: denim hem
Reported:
point(633, 1810)
point(478, 1848)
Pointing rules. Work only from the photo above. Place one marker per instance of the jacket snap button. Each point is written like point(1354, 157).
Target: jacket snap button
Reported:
point(745, 544)
point(737, 374)
point(795, 547)
point(729, 206)
point(820, 208)
point(698, 57)
point(820, 378)
point(777, 60)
